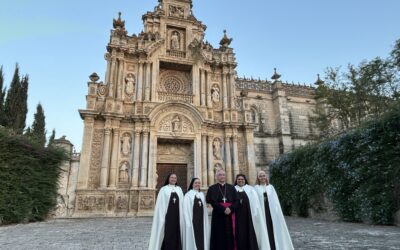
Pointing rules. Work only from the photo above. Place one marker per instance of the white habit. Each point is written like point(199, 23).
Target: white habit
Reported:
point(189, 241)
point(281, 233)
point(157, 229)
point(260, 228)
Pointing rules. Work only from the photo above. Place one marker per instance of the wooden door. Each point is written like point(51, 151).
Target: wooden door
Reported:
point(164, 169)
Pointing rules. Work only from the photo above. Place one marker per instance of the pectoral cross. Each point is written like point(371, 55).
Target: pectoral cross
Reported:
point(224, 199)
point(199, 203)
point(174, 199)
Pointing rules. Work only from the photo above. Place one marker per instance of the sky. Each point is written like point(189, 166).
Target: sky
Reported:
point(60, 43)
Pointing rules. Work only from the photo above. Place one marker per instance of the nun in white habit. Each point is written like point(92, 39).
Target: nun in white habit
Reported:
point(278, 233)
point(250, 227)
point(168, 224)
point(197, 230)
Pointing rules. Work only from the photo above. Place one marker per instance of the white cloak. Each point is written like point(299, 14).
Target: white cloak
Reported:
point(189, 241)
point(260, 228)
point(281, 232)
point(157, 229)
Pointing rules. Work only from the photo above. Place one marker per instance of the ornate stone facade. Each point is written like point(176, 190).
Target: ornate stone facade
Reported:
point(170, 101)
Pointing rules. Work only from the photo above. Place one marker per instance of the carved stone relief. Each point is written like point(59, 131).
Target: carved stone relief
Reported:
point(95, 160)
point(176, 124)
point(90, 203)
point(175, 82)
point(176, 11)
point(217, 167)
point(122, 203)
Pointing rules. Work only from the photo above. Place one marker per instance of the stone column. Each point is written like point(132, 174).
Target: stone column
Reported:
point(154, 81)
point(120, 83)
point(114, 159)
point(208, 90)
point(250, 155)
point(204, 161)
point(225, 91)
point(236, 168)
point(112, 77)
point(228, 164)
point(105, 158)
point(145, 151)
point(197, 156)
point(107, 77)
point(84, 167)
point(148, 82)
point(211, 179)
point(233, 89)
point(140, 83)
point(196, 90)
point(203, 87)
point(136, 157)
point(152, 161)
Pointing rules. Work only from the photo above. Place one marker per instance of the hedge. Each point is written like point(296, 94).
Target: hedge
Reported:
point(28, 179)
point(358, 172)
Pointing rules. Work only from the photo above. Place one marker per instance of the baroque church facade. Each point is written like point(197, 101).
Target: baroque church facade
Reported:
point(171, 102)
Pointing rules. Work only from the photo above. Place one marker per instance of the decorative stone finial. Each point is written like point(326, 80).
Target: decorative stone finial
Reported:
point(275, 76)
point(225, 41)
point(94, 77)
point(319, 81)
point(119, 23)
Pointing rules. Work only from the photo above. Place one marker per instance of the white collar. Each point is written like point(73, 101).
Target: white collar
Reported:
point(239, 188)
point(172, 187)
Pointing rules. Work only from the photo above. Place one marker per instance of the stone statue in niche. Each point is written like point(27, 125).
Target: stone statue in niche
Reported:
point(126, 143)
point(176, 124)
point(217, 149)
point(175, 41)
point(217, 167)
point(130, 82)
point(123, 172)
point(215, 94)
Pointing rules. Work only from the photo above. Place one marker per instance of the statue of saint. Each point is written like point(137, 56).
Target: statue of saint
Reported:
point(130, 84)
point(215, 94)
point(126, 144)
point(176, 124)
point(123, 172)
point(217, 149)
point(175, 41)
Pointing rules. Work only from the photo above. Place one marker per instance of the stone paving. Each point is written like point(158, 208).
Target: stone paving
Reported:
point(133, 233)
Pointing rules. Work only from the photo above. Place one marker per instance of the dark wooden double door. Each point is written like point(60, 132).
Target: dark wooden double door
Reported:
point(164, 169)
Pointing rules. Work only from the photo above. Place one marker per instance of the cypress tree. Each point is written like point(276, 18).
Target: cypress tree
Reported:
point(2, 95)
point(38, 131)
point(15, 106)
point(52, 137)
point(10, 105)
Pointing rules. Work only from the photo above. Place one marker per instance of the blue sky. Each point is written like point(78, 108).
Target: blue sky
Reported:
point(60, 43)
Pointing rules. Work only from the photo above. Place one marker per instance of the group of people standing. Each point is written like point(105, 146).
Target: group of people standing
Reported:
point(243, 217)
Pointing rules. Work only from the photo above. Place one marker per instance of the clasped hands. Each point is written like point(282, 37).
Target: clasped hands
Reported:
point(227, 211)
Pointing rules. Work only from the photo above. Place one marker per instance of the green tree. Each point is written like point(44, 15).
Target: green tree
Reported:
point(2, 95)
point(348, 98)
point(15, 106)
point(52, 138)
point(38, 132)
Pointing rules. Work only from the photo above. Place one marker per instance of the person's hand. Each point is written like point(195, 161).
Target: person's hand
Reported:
point(228, 211)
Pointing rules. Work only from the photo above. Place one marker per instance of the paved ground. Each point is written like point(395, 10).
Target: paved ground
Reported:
point(133, 233)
